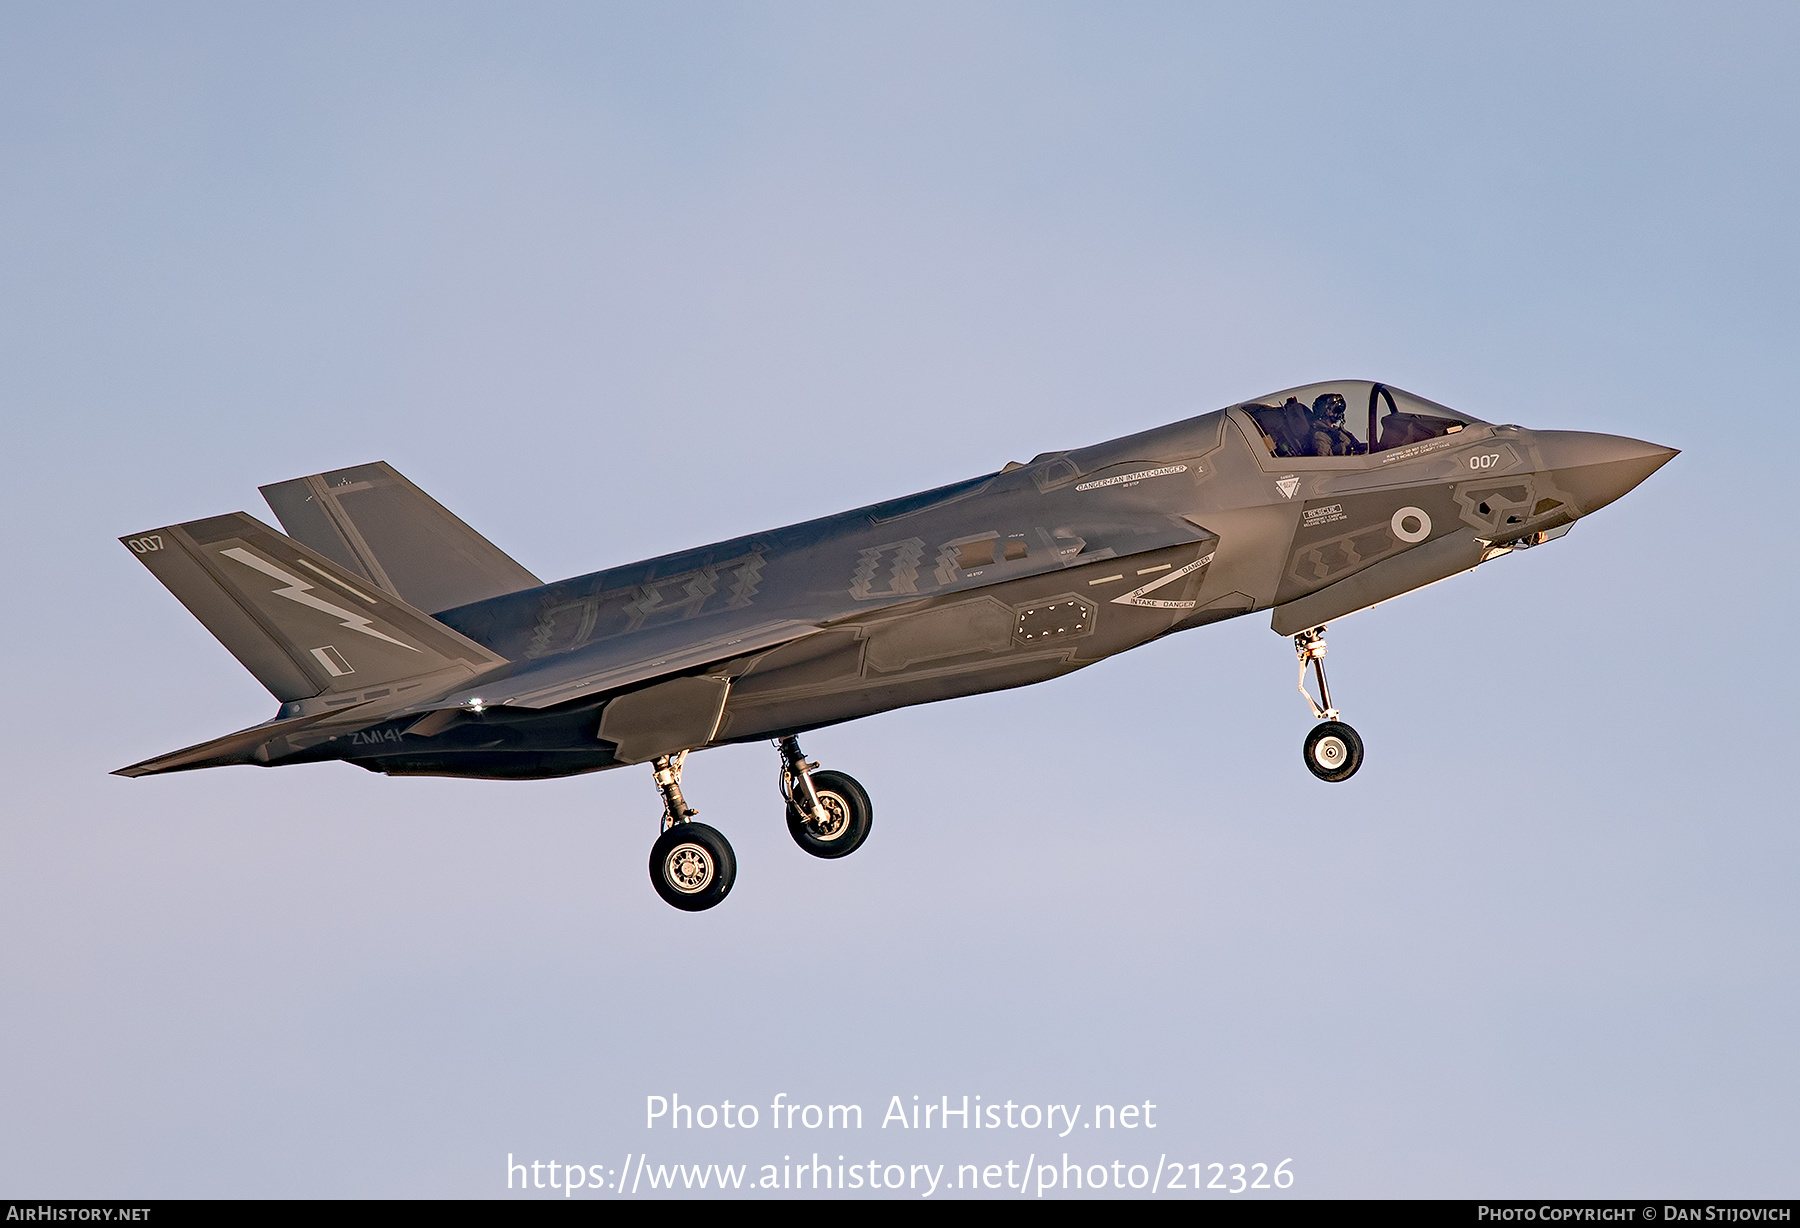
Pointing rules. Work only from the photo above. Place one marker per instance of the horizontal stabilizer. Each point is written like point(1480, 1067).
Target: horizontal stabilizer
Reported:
point(377, 525)
point(297, 620)
point(239, 747)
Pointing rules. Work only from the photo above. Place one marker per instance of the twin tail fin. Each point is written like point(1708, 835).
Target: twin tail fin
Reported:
point(303, 625)
point(387, 532)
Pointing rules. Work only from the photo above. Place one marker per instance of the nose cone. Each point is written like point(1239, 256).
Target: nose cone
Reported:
point(1596, 469)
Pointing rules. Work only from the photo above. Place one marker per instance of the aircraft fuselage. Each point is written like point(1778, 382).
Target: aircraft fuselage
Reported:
point(1003, 580)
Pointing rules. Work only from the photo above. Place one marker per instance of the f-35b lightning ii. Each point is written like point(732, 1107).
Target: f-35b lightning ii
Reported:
point(399, 639)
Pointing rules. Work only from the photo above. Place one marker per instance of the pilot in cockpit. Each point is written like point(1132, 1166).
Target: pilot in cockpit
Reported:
point(1330, 437)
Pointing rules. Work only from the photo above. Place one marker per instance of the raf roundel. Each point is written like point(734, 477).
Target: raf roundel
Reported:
point(1411, 524)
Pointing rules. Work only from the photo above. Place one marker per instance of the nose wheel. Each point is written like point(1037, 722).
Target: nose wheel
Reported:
point(691, 865)
point(1333, 751)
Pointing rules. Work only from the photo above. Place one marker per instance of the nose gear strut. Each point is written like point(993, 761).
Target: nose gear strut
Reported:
point(1309, 646)
point(1333, 751)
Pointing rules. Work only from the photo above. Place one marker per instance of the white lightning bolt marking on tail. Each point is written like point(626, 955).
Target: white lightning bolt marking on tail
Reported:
point(299, 590)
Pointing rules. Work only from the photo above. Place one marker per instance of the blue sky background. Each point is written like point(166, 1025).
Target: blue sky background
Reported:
point(612, 280)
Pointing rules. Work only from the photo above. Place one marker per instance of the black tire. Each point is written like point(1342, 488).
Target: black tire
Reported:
point(1333, 751)
point(848, 805)
point(692, 866)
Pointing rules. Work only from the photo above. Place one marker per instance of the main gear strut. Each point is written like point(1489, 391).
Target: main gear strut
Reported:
point(828, 813)
point(691, 865)
point(668, 781)
point(797, 788)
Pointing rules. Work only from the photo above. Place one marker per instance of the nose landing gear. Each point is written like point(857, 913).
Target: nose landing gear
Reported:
point(1333, 751)
point(691, 865)
point(828, 813)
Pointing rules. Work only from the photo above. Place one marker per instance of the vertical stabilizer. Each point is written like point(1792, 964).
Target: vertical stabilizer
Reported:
point(377, 525)
point(297, 620)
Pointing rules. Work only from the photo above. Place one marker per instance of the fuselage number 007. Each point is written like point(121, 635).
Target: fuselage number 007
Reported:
point(145, 545)
point(1487, 461)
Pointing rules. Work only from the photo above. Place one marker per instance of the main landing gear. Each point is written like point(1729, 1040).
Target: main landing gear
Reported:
point(828, 813)
point(1333, 751)
point(692, 865)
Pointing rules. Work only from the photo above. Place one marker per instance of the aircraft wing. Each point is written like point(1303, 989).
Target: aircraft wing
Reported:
point(640, 658)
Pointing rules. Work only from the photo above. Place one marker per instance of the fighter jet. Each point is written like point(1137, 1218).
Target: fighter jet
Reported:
point(400, 640)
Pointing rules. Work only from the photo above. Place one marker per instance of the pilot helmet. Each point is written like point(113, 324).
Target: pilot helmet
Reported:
point(1329, 409)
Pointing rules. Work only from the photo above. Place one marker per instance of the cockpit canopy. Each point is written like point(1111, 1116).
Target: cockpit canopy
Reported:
point(1349, 418)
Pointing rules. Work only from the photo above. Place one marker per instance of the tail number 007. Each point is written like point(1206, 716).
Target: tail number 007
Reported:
point(1484, 462)
point(145, 545)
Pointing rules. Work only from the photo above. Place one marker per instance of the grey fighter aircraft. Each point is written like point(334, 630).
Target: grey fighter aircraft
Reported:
point(399, 639)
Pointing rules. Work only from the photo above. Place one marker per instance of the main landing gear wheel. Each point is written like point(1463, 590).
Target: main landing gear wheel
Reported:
point(844, 825)
point(1333, 751)
point(828, 813)
point(692, 866)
